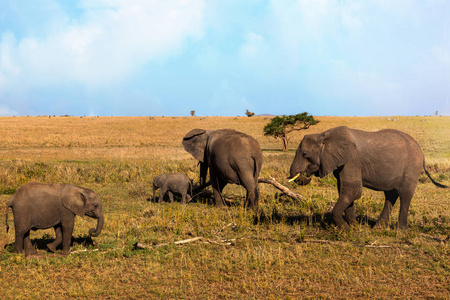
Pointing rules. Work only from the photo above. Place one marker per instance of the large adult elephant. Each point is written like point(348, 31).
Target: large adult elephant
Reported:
point(231, 157)
point(387, 160)
point(40, 206)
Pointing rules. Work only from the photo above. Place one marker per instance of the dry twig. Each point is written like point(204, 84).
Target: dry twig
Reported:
point(436, 238)
point(232, 225)
point(139, 245)
point(219, 241)
point(373, 245)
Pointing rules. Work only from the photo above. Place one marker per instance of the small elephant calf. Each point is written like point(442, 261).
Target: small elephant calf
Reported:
point(173, 183)
point(41, 206)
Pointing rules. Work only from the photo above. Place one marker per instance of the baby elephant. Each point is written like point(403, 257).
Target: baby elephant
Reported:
point(41, 206)
point(173, 182)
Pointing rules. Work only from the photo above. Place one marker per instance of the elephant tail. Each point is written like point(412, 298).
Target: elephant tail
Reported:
point(432, 180)
point(256, 168)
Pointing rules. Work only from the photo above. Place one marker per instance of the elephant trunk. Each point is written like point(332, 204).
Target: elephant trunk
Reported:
point(95, 232)
point(299, 174)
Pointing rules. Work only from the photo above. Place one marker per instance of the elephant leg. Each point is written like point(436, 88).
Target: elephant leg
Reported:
point(184, 196)
point(350, 214)
point(341, 205)
point(405, 201)
point(170, 196)
point(154, 193)
point(251, 185)
point(218, 198)
point(58, 239)
point(67, 230)
point(19, 238)
point(252, 198)
point(29, 249)
point(162, 193)
point(218, 186)
point(349, 190)
point(391, 198)
point(188, 198)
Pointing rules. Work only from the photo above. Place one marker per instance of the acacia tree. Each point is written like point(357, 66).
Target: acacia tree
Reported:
point(280, 127)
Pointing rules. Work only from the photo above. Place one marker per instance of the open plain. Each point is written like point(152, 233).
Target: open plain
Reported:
point(292, 251)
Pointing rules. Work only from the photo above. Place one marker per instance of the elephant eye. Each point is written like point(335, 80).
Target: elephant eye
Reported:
point(305, 154)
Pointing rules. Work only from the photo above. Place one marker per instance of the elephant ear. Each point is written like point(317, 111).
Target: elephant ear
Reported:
point(337, 148)
point(73, 199)
point(194, 142)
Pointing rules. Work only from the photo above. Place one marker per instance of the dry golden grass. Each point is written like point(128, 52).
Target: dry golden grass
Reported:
point(293, 251)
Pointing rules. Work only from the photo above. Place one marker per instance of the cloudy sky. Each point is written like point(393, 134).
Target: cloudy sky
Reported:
point(221, 57)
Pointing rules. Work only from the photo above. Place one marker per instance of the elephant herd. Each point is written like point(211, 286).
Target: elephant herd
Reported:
point(388, 160)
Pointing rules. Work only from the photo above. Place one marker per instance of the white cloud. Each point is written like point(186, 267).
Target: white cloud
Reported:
point(108, 42)
point(253, 44)
point(6, 111)
point(7, 65)
point(442, 54)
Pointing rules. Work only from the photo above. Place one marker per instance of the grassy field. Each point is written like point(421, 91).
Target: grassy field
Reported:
point(293, 251)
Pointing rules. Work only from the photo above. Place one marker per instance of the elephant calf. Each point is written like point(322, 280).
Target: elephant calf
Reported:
point(41, 206)
point(173, 183)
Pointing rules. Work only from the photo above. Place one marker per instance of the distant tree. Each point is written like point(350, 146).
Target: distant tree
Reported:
point(280, 127)
point(249, 113)
point(193, 113)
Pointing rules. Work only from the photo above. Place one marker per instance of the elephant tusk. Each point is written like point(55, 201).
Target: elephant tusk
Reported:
point(295, 177)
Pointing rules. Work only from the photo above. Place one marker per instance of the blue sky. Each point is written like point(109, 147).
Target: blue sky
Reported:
point(221, 57)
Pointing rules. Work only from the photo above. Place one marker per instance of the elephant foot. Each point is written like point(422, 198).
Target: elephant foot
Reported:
point(18, 251)
point(342, 225)
point(401, 226)
point(65, 252)
point(219, 203)
point(381, 224)
point(52, 247)
point(30, 252)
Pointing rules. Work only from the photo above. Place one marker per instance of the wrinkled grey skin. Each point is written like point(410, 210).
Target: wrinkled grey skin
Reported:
point(231, 157)
point(40, 206)
point(173, 183)
point(388, 160)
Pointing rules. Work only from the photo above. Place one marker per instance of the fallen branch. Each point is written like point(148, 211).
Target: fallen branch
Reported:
point(94, 250)
point(219, 241)
point(281, 187)
point(222, 242)
point(84, 250)
point(139, 245)
point(373, 245)
point(232, 225)
point(376, 246)
point(436, 238)
point(319, 241)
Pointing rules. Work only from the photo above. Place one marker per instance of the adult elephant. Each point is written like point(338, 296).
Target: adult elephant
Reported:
point(387, 160)
point(40, 206)
point(231, 157)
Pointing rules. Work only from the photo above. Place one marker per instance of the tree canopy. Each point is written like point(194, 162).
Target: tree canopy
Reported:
point(249, 113)
point(281, 126)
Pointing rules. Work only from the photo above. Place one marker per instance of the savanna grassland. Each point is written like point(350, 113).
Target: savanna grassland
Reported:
point(292, 251)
